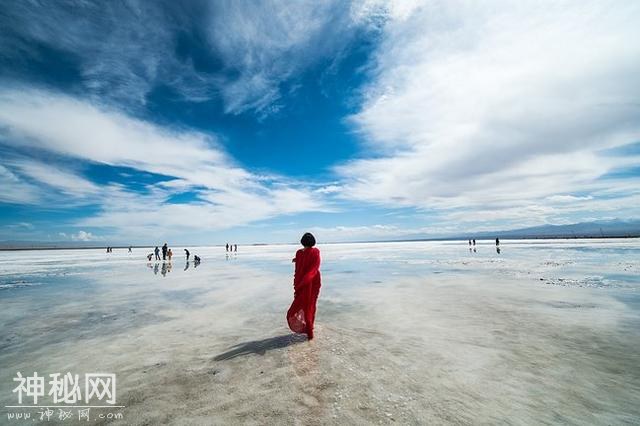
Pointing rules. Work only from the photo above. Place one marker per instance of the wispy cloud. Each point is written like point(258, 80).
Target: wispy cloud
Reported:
point(124, 50)
point(67, 182)
point(269, 42)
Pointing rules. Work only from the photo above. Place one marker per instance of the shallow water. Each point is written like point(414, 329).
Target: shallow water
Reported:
point(543, 332)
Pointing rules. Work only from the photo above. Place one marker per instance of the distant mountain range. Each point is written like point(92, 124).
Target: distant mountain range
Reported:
point(597, 229)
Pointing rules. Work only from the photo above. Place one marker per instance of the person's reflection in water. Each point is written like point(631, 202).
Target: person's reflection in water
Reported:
point(498, 250)
point(164, 269)
point(474, 250)
point(155, 269)
point(186, 266)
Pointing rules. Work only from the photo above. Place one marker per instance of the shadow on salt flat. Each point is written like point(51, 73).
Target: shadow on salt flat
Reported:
point(261, 347)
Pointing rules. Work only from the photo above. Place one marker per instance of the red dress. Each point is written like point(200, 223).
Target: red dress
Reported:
point(306, 286)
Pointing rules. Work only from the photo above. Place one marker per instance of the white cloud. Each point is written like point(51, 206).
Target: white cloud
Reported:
point(228, 195)
point(67, 182)
point(16, 190)
point(80, 236)
point(497, 105)
point(84, 236)
point(568, 198)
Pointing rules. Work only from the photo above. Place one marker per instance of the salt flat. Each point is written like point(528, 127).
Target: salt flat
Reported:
point(544, 332)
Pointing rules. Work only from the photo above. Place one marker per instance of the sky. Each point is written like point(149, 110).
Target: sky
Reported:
point(198, 122)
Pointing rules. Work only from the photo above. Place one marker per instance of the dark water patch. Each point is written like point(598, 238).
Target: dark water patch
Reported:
point(569, 305)
point(188, 297)
point(67, 325)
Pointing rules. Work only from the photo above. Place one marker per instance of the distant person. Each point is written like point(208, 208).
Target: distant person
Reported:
point(469, 243)
point(186, 252)
point(157, 252)
point(149, 257)
point(129, 249)
point(306, 287)
point(227, 246)
point(474, 242)
point(196, 260)
point(169, 254)
point(164, 251)
point(235, 248)
point(107, 249)
point(497, 241)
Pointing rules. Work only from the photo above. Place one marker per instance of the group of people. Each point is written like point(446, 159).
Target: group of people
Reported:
point(110, 249)
point(472, 244)
point(196, 258)
point(167, 254)
point(232, 247)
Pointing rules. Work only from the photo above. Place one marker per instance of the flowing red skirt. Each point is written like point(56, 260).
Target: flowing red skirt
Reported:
point(302, 313)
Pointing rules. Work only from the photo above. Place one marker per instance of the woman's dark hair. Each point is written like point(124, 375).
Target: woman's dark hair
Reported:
point(308, 240)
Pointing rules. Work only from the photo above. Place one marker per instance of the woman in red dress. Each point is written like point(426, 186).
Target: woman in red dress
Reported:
point(306, 287)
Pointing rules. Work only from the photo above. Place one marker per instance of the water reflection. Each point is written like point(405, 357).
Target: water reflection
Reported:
point(164, 267)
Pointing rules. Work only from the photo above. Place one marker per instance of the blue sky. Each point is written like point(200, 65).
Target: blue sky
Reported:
point(205, 122)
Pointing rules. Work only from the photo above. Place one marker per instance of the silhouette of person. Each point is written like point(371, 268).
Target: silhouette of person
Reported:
point(186, 252)
point(235, 248)
point(227, 246)
point(157, 252)
point(164, 251)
